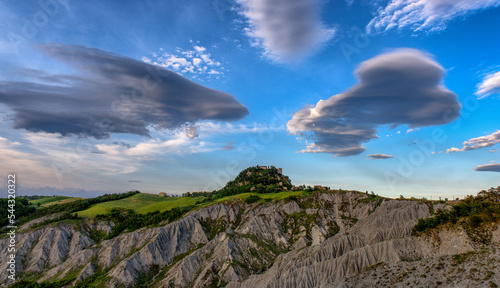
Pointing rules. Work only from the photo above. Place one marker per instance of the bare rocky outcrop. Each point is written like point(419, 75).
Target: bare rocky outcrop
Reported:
point(47, 247)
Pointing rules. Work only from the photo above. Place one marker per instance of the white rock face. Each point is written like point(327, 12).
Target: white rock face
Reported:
point(316, 242)
point(45, 248)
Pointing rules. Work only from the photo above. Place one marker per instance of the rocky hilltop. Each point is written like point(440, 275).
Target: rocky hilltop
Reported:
point(326, 239)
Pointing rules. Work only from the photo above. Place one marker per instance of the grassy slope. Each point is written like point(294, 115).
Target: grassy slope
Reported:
point(141, 203)
point(144, 203)
point(47, 201)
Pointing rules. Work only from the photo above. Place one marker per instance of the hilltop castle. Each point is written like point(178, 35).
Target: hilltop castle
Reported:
point(280, 170)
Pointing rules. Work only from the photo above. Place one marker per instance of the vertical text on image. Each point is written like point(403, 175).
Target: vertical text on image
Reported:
point(11, 214)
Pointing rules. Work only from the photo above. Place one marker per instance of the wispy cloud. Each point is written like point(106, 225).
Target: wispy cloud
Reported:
point(286, 30)
point(398, 88)
point(424, 15)
point(12, 156)
point(43, 158)
point(211, 128)
point(478, 143)
point(412, 130)
point(490, 85)
point(76, 155)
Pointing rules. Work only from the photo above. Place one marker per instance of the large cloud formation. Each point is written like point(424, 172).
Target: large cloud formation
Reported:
point(110, 94)
point(286, 30)
point(478, 143)
point(424, 15)
point(488, 167)
point(399, 88)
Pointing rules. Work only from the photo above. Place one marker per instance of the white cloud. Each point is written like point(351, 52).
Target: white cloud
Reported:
point(424, 15)
point(152, 148)
point(191, 139)
point(286, 30)
point(196, 63)
point(478, 143)
point(489, 86)
point(453, 149)
point(199, 49)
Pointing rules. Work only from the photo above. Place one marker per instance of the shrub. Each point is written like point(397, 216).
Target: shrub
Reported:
point(252, 199)
point(479, 210)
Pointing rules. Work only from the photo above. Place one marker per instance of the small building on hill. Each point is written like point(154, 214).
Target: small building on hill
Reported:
point(163, 194)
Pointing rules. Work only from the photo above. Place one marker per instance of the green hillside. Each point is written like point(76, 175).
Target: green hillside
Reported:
point(140, 203)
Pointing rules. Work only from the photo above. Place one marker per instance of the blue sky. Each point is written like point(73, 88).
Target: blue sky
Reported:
point(176, 96)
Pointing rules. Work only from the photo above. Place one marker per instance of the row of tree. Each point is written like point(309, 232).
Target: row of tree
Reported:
point(25, 212)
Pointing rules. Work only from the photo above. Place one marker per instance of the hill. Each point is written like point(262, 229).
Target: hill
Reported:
point(268, 237)
point(260, 179)
point(285, 239)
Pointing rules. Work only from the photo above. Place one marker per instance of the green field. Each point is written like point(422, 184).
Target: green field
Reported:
point(141, 203)
point(47, 201)
point(144, 203)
